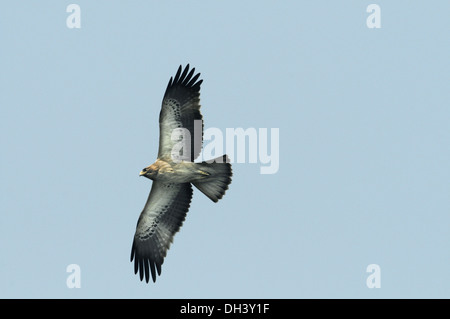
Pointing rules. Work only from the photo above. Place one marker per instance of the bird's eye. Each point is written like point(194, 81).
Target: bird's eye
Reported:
point(144, 170)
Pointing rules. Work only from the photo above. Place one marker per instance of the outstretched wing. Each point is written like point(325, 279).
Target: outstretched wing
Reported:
point(181, 109)
point(161, 218)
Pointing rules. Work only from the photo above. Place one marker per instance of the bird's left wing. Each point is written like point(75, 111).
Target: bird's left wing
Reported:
point(161, 218)
point(181, 110)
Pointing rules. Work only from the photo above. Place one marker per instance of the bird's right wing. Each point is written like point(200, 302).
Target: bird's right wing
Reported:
point(162, 217)
point(181, 109)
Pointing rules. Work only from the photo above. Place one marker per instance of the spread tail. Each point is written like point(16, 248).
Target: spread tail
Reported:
point(217, 177)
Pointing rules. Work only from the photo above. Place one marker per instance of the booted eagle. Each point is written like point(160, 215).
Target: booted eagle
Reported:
point(171, 193)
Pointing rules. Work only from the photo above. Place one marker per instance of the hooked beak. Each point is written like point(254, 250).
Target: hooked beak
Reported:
point(144, 171)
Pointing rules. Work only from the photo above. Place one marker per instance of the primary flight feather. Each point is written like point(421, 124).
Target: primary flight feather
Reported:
point(171, 192)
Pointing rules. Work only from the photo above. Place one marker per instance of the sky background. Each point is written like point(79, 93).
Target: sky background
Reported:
point(363, 117)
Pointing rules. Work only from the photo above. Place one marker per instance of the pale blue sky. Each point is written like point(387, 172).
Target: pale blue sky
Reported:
point(363, 116)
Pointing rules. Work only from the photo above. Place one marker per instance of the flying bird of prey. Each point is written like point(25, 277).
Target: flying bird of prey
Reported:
point(171, 192)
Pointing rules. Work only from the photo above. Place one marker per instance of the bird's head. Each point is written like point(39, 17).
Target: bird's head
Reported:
point(149, 172)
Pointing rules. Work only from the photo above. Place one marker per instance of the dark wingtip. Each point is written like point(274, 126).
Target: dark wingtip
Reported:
point(185, 78)
point(183, 75)
point(145, 266)
point(177, 75)
point(141, 270)
point(196, 87)
point(170, 83)
point(152, 269)
point(158, 268)
point(188, 77)
point(192, 81)
point(132, 252)
point(146, 261)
